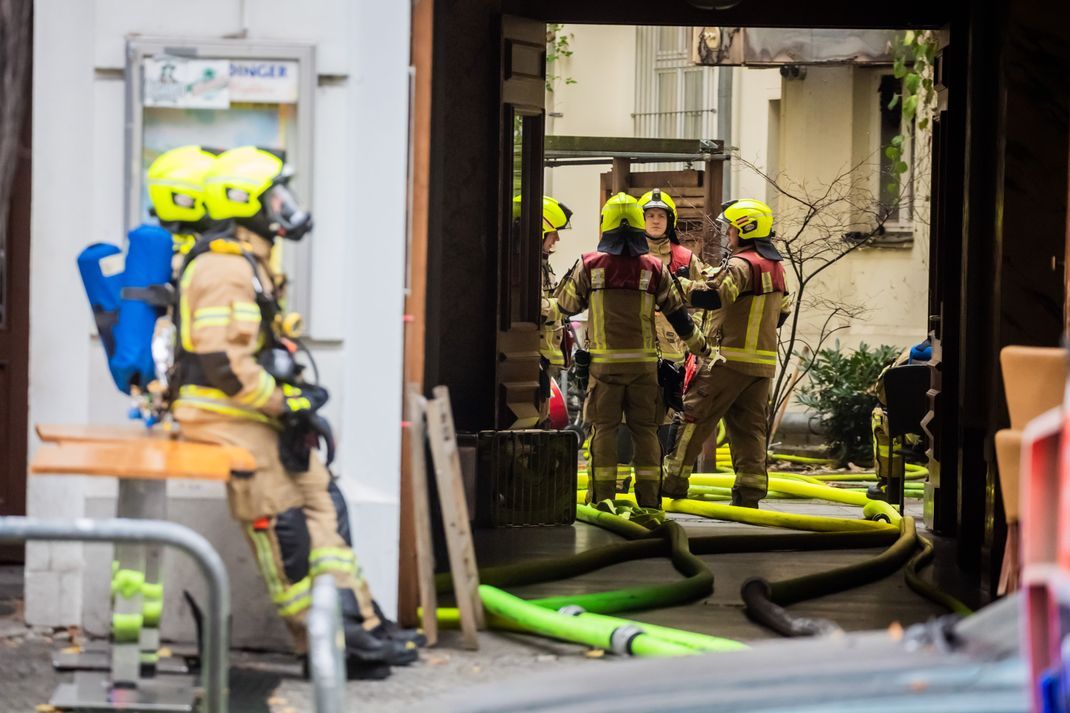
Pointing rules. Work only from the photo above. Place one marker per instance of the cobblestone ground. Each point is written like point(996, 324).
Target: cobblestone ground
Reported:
point(272, 683)
point(501, 658)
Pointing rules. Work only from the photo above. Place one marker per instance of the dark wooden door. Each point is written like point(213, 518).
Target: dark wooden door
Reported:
point(14, 342)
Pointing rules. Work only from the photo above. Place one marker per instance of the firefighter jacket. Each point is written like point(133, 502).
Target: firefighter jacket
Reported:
point(223, 293)
point(553, 322)
point(877, 389)
point(753, 298)
point(687, 268)
point(620, 293)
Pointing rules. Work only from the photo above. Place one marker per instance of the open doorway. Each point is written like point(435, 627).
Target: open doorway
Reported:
point(810, 123)
point(634, 108)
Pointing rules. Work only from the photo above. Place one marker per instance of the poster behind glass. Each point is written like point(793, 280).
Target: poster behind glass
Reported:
point(218, 104)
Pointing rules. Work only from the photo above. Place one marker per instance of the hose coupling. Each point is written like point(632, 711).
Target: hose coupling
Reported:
point(620, 641)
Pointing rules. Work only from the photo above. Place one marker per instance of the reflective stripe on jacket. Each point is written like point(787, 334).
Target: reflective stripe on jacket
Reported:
point(553, 325)
point(676, 258)
point(220, 334)
point(746, 324)
point(620, 293)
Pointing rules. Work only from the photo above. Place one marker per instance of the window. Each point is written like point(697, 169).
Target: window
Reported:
point(895, 206)
point(674, 98)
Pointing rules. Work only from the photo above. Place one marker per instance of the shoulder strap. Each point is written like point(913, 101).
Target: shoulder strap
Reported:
point(766, 275)
point(680, 257)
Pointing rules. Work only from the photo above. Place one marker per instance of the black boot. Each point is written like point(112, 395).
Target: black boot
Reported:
point(365, 647)
point(648, 494)
point(743, 501)
point(355, 670)
point(597, 491)
point(878, 491)
point(361, 671)
point(389, 629)
point(674, 487)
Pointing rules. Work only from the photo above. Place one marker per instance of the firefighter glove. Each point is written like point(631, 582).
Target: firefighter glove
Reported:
point(303, 398)
point(302, 431)
point(697, 344)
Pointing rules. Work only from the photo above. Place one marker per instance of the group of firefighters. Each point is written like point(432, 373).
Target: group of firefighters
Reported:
point(234, 381)
point(648, 299)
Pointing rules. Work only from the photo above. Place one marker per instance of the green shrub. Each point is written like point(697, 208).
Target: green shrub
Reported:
point(840, 392)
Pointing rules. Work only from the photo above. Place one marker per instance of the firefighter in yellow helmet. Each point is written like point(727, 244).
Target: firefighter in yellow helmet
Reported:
point(556, 216)
point(660, 220)
point(238, 384)
point(621, 285)
point(175, 183)
point(734, 384)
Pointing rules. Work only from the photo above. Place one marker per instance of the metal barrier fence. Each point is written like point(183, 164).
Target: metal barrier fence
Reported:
point(326, 646)
point(214, 664)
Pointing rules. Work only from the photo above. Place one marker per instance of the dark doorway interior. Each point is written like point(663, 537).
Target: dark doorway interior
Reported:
point(14, 341)
point(998, 215)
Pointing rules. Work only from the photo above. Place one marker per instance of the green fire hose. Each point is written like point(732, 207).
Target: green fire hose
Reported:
point(620, 636)
point(583, 618)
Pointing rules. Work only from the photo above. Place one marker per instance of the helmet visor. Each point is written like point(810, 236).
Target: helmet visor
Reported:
point(721, 226)
point(285, 214)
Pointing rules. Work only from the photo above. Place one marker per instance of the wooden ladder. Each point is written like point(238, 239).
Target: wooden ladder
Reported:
point(431, 420)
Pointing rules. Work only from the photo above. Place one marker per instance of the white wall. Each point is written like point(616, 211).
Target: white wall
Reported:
point(752, 90)
point(360, 149)
point(600, 103)
point(829, 124)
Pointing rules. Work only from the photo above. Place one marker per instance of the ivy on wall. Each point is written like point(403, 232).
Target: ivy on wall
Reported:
point(558, 45)
point(913, 54)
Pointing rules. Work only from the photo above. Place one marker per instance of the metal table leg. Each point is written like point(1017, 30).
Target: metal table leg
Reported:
point(128, 580)
point(151, 503)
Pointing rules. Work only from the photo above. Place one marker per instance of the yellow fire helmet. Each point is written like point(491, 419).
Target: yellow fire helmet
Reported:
point(623, 227)
point(175, 182)
point(248, 184)
point(751, 217)
point(555, 214)
point(658, 198)
point(621, 211)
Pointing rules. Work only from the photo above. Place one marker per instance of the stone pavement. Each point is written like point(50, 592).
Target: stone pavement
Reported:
point(272, 683)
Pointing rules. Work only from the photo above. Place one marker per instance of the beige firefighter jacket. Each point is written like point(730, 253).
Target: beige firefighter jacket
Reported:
point(553, 322)
point(621, 293)
point(745, 326)
point(669, 344)
point(220, 334)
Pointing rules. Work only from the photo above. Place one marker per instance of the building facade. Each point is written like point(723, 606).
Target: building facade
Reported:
point(802, 130)
point(350, 276)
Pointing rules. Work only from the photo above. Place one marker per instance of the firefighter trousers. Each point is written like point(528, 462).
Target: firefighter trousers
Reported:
point(717, 391)
point(636, 399)
point(887, 463)
point(292, 524)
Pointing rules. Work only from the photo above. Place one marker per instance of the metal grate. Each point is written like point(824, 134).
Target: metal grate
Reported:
point(526, 478)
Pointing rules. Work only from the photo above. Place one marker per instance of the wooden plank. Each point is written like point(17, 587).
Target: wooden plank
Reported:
point(714, 185)
point(241, 460)
point(622, 168)
point(687, 178)
point(149, 459)
point(455, 515)
point(421, 514)
point(57, 432)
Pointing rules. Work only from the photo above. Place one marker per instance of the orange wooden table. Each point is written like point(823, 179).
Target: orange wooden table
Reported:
point(143, 460)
